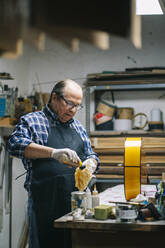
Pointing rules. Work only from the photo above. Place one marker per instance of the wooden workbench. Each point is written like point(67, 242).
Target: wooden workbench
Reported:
point(91, 233)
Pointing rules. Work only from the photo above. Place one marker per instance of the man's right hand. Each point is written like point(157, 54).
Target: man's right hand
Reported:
point(65, 155)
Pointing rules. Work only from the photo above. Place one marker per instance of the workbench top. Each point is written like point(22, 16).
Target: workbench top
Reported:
point(107, 196)
point(67, 221)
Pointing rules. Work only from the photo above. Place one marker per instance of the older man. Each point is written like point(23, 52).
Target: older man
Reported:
point(45, 140)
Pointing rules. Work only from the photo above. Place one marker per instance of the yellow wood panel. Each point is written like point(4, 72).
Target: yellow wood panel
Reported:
point(131, 182)
point(132, 167)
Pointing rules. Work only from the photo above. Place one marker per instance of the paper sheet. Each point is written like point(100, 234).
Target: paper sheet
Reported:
point(117, 194)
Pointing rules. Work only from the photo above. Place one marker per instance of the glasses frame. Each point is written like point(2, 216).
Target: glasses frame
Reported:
point(70, 104)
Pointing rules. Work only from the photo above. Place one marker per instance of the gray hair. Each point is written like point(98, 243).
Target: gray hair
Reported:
point(58, 89)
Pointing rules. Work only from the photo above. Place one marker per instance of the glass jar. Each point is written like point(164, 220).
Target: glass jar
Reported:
point(78, 200)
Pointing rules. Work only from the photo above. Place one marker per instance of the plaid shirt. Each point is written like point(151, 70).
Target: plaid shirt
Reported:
point(34, 127)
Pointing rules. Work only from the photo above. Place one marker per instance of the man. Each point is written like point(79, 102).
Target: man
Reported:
point(45, 140)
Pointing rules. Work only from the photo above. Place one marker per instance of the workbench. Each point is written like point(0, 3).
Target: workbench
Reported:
point(110, 233)
point(91, 233)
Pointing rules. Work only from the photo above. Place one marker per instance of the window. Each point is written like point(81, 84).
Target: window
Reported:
point(149, 7)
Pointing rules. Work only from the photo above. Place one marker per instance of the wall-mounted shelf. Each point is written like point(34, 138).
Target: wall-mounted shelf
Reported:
point(129, 87)
point(137, 133)
point(5, 76)
point(123, 81)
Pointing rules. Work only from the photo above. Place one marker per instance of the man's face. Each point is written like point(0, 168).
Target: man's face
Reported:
point(66, 106)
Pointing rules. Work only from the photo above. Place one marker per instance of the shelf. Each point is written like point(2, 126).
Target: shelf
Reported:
point(122, 87)
point(5, 76)
point(125, 78)
point(7, 122)
point(132, 133)
point(123, 81)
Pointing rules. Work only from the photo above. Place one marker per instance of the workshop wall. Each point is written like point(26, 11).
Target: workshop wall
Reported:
point(58, 62)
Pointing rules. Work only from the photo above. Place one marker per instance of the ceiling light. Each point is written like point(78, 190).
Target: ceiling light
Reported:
point(148, 7)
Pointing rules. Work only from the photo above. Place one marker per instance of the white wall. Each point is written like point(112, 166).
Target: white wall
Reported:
point(57, 62)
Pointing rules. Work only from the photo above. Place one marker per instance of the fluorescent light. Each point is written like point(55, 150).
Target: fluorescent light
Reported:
point(148, 7)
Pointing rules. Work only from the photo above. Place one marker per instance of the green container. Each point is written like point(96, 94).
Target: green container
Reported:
point(102, 212)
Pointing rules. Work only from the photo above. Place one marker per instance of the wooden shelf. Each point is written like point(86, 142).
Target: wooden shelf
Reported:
point(132, 80)
point(132, 133)
point(7, 122)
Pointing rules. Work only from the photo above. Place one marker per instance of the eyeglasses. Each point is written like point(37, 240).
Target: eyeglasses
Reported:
point(71, 105)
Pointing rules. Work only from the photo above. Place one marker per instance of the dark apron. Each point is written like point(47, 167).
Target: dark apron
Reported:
point(51, 187)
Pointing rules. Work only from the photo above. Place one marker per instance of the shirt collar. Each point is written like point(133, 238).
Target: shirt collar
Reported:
point(54, 116)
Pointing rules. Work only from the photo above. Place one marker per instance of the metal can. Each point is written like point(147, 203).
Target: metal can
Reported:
point(78, 200)
point(126, 213)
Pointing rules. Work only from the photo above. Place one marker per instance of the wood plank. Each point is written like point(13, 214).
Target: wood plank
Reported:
point(120, 151)
point(115, 141)
point(104, 176)
point(111, 154)
point(14, 51)
point(136, 33)
point(7, 122)
point(72, 36)
point(34, 38)
point(102, 142)
point(86, 15)
point(121, 140)
point(119, 170)
point(114, 159)
point(110, 145)
point(111, 170)
point(123, 82)
point(131, 133)
point(123, 75)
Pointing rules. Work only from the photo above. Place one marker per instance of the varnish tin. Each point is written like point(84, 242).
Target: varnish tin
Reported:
point(78, 199)
point(126, 213)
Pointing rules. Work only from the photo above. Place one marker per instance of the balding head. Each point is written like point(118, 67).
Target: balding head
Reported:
point(71, 87)
point(72, 84)
point(63, 86)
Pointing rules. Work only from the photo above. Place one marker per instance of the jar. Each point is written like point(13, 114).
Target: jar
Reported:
point(78, 200)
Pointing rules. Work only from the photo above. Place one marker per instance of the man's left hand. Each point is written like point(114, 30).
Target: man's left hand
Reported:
point(90, 164)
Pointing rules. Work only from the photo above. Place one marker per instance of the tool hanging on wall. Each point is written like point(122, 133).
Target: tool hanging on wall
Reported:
point(39, 94)
point(132, 167)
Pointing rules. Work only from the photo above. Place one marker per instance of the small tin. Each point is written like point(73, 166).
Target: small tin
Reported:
point(126, 213)
point(78, 200)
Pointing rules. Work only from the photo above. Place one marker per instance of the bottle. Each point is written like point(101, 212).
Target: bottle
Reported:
point(95, 198)
point(88, 199)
